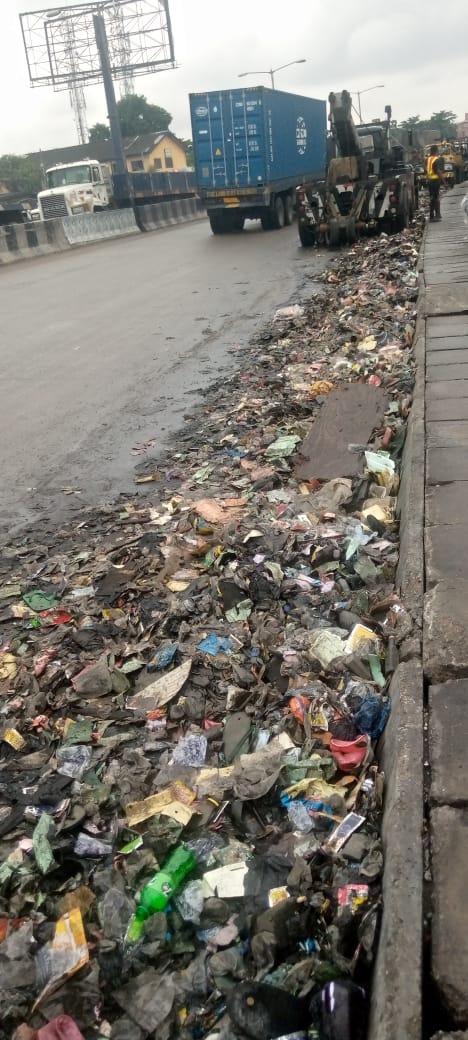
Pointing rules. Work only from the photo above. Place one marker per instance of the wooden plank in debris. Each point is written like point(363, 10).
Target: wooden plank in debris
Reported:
point(348, 416)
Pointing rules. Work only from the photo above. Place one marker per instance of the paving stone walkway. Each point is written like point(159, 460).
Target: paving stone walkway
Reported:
point(445, 273)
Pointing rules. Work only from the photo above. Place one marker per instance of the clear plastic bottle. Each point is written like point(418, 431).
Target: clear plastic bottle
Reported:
point(158, 892)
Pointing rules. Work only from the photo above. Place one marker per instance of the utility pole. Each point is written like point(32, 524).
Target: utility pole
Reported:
point(112, 110)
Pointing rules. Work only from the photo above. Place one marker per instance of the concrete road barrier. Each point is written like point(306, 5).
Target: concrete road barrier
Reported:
point(164, 214)
point(25, 241)
point(92, 227)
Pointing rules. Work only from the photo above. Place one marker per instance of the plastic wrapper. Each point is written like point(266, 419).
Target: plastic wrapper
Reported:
point(190, 900)
point(88, 845)
point(74, 761)
point(191, 750)
point(63, 956)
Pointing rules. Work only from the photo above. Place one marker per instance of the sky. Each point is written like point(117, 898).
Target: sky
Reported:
point(416, 49)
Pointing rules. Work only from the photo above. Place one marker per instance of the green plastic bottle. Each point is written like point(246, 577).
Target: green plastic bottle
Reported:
point(159, 891)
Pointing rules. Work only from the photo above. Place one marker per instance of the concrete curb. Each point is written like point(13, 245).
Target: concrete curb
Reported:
point(410, 571)
point(396, 1011)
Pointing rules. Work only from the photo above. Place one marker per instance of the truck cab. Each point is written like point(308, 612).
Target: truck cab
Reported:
point(79, 187)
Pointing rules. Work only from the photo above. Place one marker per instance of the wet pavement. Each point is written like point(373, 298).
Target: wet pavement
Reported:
point(102, 350)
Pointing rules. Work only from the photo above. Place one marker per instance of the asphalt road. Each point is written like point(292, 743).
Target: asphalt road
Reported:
point(103, 348)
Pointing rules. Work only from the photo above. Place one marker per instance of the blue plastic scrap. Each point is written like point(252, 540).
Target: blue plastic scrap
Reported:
point(163, 658)
point(371, 716)
point(214, 645)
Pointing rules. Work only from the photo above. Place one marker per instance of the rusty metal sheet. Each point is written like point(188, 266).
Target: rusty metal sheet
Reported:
point(348, 416)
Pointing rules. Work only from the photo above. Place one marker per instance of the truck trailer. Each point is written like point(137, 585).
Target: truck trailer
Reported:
point(252, 147)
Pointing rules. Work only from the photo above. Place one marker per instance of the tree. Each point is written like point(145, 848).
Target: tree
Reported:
point(411, 123)
point(443, 123)
point(99, 132)
point(20, 174)
point(138, 116)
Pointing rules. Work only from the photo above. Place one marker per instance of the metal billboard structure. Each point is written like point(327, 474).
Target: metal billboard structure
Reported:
point(63, 50)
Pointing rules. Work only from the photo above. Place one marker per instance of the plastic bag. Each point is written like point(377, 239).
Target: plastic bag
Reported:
point(73, 761)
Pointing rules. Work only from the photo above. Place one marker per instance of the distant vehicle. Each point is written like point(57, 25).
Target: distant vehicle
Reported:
point(14, 215)
point(252, 147)
point(87, 187)
point(79, 187)
point(368, 185)
point(455, 168)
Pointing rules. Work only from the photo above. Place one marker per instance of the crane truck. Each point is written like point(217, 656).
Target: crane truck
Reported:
point(367, 186)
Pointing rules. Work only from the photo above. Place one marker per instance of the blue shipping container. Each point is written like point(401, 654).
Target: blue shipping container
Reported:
point(256, 137)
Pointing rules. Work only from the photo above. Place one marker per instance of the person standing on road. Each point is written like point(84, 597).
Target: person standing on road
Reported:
point(434, 168)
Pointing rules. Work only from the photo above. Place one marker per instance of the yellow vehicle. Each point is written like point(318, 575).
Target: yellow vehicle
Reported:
point(451, 152)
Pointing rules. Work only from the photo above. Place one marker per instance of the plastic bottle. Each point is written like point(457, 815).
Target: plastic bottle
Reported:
point(156, 895)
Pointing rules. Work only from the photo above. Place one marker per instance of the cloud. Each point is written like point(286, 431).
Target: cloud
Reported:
point(418, 52)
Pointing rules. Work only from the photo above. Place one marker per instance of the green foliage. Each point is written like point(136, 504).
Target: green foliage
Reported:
point(138, 116)
point(442, 124)
point(411, 123)
point(99, 132)
point(20, 174)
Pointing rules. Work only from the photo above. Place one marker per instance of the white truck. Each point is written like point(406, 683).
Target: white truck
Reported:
point(79, 187)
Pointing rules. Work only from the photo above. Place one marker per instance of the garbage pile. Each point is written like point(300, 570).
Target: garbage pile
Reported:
point(193, 685)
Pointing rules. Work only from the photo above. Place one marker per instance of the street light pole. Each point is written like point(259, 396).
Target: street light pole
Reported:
point(271, 72)
point(379, 86)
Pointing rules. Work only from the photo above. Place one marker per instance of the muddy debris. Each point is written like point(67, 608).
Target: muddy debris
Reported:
point(193, 684)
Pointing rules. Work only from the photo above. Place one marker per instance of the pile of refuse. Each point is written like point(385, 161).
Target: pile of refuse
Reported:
point(193, 686)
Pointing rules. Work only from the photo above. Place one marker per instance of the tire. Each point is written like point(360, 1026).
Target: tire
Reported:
point(218, 223)
point(288, 210)
point(402, 219)
point(278, 214)
point(335, 234)
point(224, 223)
point(238, 222)
point(351, 232)
point(267, 221)
point(307, 236)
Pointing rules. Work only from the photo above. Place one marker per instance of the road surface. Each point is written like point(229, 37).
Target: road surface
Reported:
point(102, 348)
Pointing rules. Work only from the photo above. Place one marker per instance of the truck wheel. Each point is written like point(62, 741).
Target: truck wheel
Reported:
point(307, 236)
point(278, 214)
point(267, 221)
point(238, 222)
point(401, 221)
point(218, 223)
point(352, 234)
point(288, 210)
point(335, 234)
